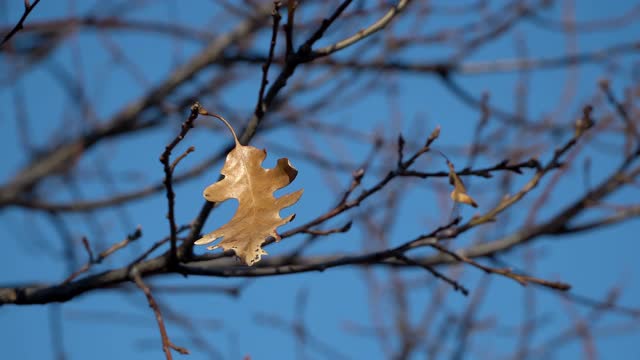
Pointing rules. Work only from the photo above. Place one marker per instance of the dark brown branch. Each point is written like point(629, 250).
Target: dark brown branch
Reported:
point(42, 294)
point(288, 264)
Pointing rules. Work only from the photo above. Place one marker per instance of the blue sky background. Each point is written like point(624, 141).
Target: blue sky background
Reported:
point(110, 324)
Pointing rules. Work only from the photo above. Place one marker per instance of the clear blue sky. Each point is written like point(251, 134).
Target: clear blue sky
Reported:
point(118, 325)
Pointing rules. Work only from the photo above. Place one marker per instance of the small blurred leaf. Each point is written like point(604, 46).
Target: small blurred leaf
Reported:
point(459, 193)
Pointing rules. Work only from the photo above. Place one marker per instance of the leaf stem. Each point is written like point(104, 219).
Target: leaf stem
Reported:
point(204, 112)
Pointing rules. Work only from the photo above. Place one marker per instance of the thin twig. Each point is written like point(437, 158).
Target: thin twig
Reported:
point(292, 5)
point(156, 245)
point(375, 27)
point(604, 85)
point(87, 247)
point(305, 49)
point(482, 172)
point(521, 279)
point(182, 156)
point(168, 176)
point(456, 285)
point(345, 205)
point(260, 106)
point(27, 10)
point(341, 229)
point(167, 345)
point(103, 255)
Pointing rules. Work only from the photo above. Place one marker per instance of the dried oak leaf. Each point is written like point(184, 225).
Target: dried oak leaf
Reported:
point(459, 193)
point(258, 214)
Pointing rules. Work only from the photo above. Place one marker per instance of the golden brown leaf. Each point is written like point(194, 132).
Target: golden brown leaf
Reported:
point(459, 193)
point(258, 214)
